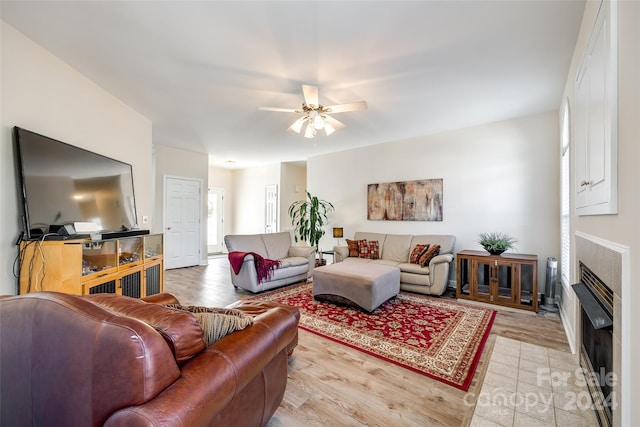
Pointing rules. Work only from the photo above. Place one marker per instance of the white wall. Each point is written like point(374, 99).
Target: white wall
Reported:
point(245, 194)
point(622, 228)
point(497, 177)
point(173, 162)
point(249, 197)
point(43, 94)
point(293, 185)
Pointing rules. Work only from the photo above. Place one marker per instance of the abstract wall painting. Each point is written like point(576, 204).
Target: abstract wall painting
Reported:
point(405, 201)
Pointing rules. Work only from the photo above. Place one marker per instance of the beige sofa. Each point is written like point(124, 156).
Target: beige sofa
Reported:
point(297, 262)
point(395, 250)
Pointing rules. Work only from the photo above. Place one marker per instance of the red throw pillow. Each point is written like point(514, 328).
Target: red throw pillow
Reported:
point(370, 249)
point(354, 251)
point(417, 252)
point(428, 255)
point(362, 246)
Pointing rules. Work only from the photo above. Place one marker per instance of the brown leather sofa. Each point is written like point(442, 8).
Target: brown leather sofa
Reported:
point(87, 361)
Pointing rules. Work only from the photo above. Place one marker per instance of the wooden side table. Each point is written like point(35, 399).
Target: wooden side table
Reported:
point(509, 279)
point(332, 253)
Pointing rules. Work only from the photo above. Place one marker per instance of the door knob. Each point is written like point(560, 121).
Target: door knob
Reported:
point(168, 228)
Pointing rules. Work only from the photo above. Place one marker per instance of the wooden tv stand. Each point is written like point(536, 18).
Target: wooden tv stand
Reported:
point(131, 266)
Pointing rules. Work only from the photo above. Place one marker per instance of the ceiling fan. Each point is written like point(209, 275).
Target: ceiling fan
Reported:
point(315, 116)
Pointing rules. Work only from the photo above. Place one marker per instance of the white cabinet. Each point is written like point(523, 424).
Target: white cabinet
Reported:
point(595, 110)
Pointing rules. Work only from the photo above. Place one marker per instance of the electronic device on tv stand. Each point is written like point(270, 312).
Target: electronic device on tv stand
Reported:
point(123, 233)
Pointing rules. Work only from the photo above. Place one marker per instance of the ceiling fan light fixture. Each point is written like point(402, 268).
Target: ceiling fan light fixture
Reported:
point(329, 129)
point(310, 131)
point(318, 122)
point(297, 125)
point(315, 116)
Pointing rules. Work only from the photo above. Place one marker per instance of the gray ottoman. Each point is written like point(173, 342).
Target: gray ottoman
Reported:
point(364, 284)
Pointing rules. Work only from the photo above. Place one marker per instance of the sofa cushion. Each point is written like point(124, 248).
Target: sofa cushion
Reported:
point(369, 249)
point(417, 252)
point(246, 243)
point(413, 268)
point(216, 322)
point(356, 259)
point(354, 249)
point(396, 247)
point(277, 244)
point(446, 241)
point(180, 330)
point(385, 262)
point(429, 254)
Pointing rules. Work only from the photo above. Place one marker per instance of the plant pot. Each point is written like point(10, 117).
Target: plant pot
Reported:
point(496, 252)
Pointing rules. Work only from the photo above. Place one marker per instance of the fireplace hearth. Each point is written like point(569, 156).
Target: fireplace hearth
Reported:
point(596, 352)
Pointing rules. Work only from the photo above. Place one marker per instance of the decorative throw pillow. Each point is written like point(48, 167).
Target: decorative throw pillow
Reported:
point(417, 252)
point(216, 322)
point(428, 255)
point(370, 249)
point(353, 248)
point(362, 245)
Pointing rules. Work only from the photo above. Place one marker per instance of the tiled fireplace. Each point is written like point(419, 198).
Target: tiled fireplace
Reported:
point(601, 266)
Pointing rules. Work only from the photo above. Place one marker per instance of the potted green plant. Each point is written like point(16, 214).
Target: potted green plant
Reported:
point(308, 218)
point(496, 243)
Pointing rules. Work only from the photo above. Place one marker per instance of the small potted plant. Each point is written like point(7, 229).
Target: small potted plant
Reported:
point(496, 243)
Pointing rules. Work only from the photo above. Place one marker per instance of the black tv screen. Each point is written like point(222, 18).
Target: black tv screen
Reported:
point(63, 184)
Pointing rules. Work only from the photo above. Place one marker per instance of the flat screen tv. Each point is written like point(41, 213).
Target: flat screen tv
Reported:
point(62, 184)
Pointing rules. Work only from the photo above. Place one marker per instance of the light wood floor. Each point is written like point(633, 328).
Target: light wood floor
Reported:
point(334, 385)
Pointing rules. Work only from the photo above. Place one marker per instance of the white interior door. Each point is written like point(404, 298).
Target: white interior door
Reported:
point(181, 222)
point(271, 209)
point(215, 220)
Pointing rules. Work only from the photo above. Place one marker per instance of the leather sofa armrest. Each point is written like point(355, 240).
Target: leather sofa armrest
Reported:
point(340, 253)
point(438, 259)
point(439, 273)
point(210, 381)
point(163, 298)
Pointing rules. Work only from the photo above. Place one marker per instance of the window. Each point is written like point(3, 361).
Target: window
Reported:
point(565, 231)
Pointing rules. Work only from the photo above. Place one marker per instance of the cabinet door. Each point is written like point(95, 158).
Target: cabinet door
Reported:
point(464, 277)
point(130, 282)
point(595, 118)
point(103, 284)
point(504, 286)
point(153, 278)
point(482, 271)
point(528, 287)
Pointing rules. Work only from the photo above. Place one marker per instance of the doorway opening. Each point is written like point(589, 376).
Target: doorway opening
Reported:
point(215, 221)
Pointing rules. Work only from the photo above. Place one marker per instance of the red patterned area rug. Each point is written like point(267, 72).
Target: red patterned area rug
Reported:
point(435, 337)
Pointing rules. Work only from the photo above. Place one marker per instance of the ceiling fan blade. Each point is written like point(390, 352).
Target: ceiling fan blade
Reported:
point(351, 106)
point(282, 110)
point(336, 124)
point(310, 95)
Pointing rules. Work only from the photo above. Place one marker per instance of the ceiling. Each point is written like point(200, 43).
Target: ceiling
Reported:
point(199, 70)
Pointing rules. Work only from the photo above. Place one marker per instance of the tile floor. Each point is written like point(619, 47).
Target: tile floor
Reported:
point(529, 385)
